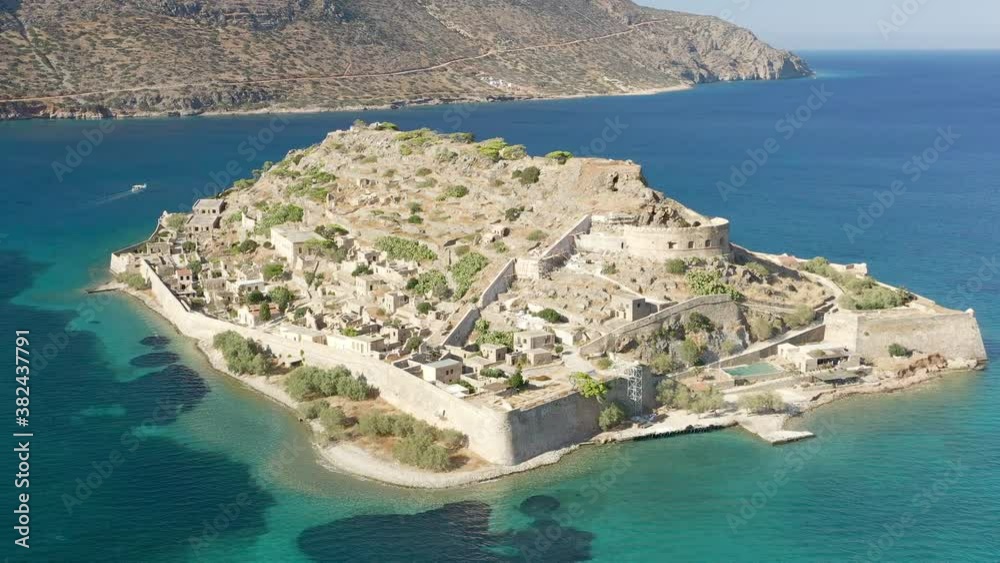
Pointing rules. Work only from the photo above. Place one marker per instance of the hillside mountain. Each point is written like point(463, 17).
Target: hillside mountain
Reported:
point(62, 58)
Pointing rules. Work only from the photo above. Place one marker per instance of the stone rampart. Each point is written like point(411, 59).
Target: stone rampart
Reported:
point(953, 334)
point(721, 309)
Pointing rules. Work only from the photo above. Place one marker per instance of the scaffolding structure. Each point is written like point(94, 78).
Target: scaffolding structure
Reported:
point(633, 376)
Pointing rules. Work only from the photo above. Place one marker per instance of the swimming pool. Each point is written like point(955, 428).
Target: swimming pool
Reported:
point(760, 369)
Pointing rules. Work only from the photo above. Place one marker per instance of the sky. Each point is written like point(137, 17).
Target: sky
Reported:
point(858, 24)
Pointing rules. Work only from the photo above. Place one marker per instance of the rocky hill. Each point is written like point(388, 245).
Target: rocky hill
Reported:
point(137, 57)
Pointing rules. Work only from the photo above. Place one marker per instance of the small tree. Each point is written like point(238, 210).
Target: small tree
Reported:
point(707, 401)
point(265, 312)
point(517, 381)
point(610, 417)
point(248, 246)
point(763, 403)
point(691, 352)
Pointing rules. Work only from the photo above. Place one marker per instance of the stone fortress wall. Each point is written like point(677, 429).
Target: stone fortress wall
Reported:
point(953, 334)
point(660, 243)
point(500, 437)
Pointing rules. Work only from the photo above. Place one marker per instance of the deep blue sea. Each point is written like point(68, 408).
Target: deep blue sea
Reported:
point(142, 453)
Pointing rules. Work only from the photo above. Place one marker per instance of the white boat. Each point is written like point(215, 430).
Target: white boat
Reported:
point(136, 188)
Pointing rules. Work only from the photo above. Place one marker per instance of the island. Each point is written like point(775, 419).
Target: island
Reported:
point(443, 310)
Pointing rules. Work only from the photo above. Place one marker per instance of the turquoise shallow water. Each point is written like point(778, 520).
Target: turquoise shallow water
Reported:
point(210, 471)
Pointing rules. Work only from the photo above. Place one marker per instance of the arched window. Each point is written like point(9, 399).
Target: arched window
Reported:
point(690, 244)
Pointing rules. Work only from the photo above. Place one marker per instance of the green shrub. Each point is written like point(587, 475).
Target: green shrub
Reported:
point(133, 280)
point(609, 269)
point(529, 175)
point(424, 307)
point(710, 283)
point(762, 403)
point(898, 351)
point(517, 381)
point(273, 270)
point(248, 246)
point(404, 249)
point(513, 214)
point(761, 328)
point(255, 297)
point(759, 269)
point(242, 355)
point(455, 191)
point(537, 235)
point(465, 138)
point(465, 271)
point(308, 383)
point(279, 215)
point(603, 363)
point(664, 364)
point(362, 269)
point(282, 297)
point(551, 315)
point(671, 394)
point(590, 387)
point(698, 322)
point(491, 148)
point(311, 411)
point(176, 221)
point(676, 266)
point(452, 439)
point(420, 451)
point(610, 417)
point(386, 126)
point(707, 401)
point(189, 246)
point(802, 316)
point(493, 373)
point(333, 421)
point(430, 282)
point(513, 152)
point(559, 156)
point(421, 172)
point(485, 335)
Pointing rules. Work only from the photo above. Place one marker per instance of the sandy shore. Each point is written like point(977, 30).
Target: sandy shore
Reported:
point(349, 458)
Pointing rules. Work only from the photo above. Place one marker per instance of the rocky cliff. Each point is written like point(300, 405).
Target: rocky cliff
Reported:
point(93, 58)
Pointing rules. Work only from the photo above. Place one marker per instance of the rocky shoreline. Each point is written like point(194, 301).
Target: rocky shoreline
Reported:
point(20, 111)
point(353, 460)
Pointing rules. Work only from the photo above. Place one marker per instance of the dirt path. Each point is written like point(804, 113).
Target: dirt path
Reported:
point(631, 29)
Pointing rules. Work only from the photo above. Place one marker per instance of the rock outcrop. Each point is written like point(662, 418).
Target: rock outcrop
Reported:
point(94, 58)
